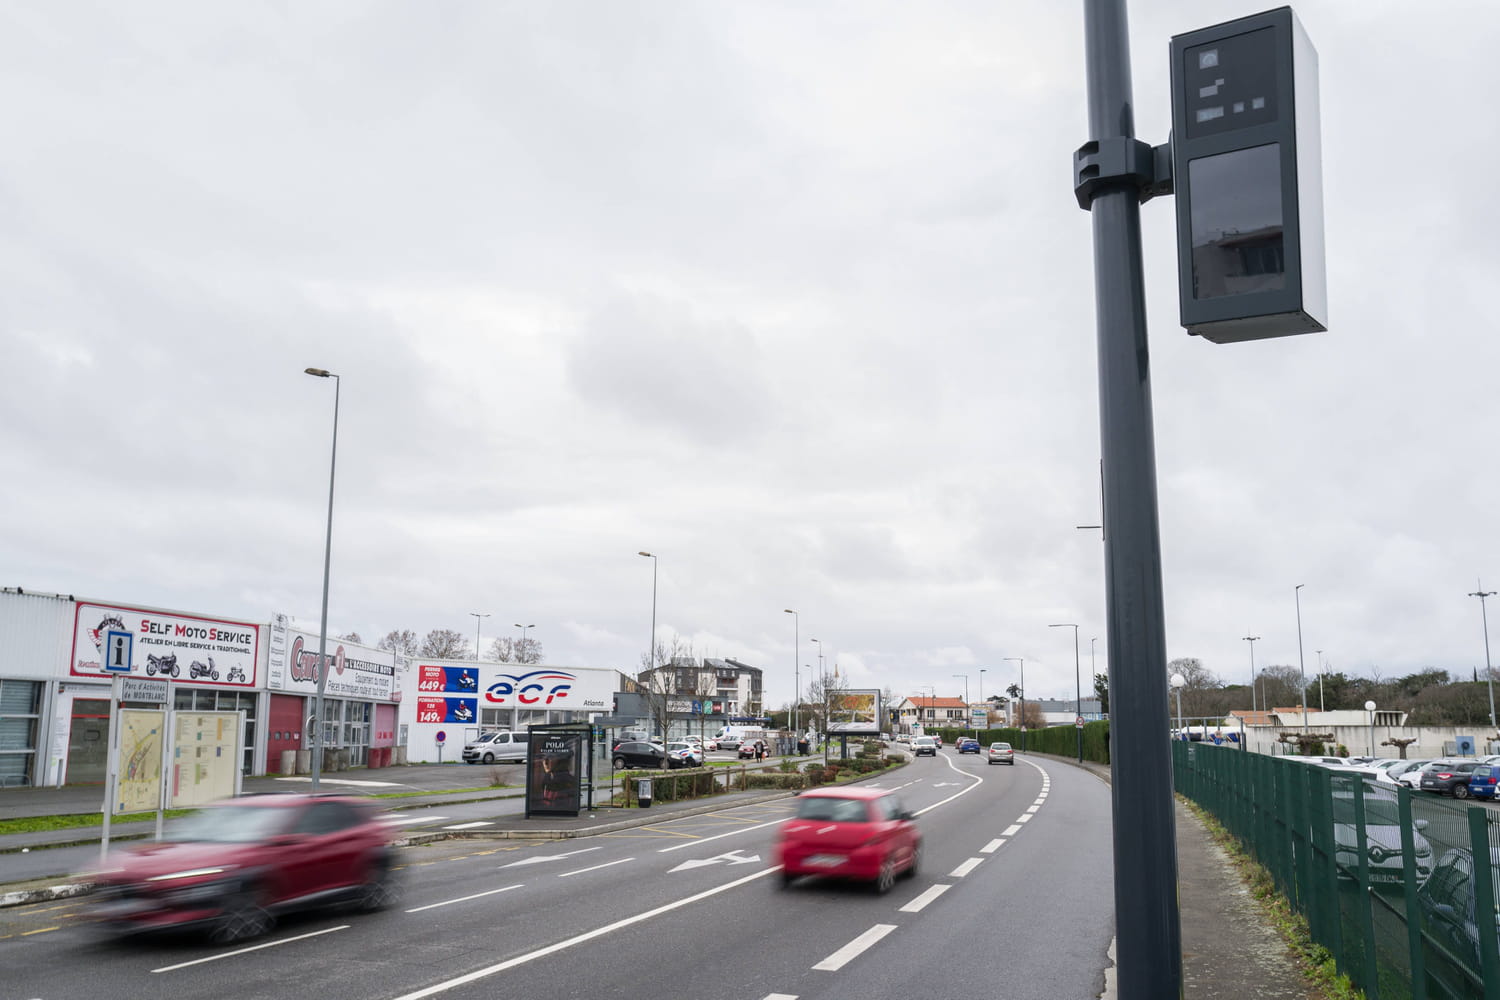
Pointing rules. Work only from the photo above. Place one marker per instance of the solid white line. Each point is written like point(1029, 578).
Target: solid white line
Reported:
point(558, 946)
point(1012, 830)
point(920, 903)
point(717, 836)
point(965, 868)
point(854, 949)
point(962, 791)
point(412, 819)
point(596, 867)
point(470, 826)
point(992, 846)
point(781, 996)
point(253, 947)
point(464, 899)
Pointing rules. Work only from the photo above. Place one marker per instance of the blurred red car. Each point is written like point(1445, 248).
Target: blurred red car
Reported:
point(861, 834)
point(232, 867)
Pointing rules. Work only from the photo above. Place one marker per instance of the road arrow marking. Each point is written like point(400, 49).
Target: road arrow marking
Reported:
point(730, 857)
point(547, 857)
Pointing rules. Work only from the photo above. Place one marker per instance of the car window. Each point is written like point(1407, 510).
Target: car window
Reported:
point(832, 810)
point(888, 807)
point(326, 817)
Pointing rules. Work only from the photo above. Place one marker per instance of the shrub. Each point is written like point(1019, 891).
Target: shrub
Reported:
point(815, 774)
point(775, 780)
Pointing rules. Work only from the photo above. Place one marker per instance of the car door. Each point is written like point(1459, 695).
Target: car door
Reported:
point(325, 853)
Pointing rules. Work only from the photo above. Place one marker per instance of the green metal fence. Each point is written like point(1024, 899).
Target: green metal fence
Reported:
point(1399, 886)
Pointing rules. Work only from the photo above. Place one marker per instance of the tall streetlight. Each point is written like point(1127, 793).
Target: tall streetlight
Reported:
point(1301, 664)
point(521, 649)
point(317, 747)
point(1319, 653)
point(1489, 677)
point(1077, 687)
point(1022, 661)
point(478, 619)
point(1252, 639)
point(1093, 670)
point(981, 700)
point(820, 656)
point(651, 649)
point(967, 710)
point(1178, 681)
point(796, 672)
point(1370, 707)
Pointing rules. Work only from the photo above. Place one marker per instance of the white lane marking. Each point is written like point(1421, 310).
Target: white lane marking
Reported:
point(349, 781)
point(597, 932)
point(731, 833)
point(412, 819)
point(462, 899)
point(253, 947)
point(1032, 809)
point(965, 868)
point(854, 949)
point(595, 868)
point(731, 857)
point(470, 826)
point(538, 859)
point(781, 996)
point(1012, 830)
point(976, 779)
point(1024, 817)
point(920, 903)
point(992, 846)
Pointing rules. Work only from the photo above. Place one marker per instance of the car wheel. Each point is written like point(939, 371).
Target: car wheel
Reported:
point(242, 920)
point(378, 890)
point(886, 879)
point(619, 763)
point(785, 880)
point(489, 758)
point(916, 861)
point(1460, 791)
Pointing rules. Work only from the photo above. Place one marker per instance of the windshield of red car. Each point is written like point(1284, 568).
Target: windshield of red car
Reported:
point(230, 825)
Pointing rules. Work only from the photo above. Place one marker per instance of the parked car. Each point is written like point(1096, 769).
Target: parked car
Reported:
point(924, 746)
point(1397, 773)
point(1482, 782)
point(690, 750)
point(854, 832)
point(710, 744)
point(233, 867)
point(938, 740)
point(967, 745)
point(1382, 837)
point(639, 753)
point(752, 750)
point(1447, 901)
point(497, 748)
point(1001, 753)
point(1448, 777)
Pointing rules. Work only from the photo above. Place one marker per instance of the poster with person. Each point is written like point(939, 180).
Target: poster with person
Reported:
point(554, 770)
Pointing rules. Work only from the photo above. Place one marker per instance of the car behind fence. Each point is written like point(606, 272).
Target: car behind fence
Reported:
point(1399, 886)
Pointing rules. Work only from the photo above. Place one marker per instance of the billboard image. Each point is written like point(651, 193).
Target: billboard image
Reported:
point(554, 773)
point(854, 711)
point(181, 647)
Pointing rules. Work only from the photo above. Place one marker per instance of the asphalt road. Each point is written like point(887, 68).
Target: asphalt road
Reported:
point(1013, 899)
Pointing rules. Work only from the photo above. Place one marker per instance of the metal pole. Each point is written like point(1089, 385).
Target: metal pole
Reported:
point(1147, 919)
point(1321, 707)
point(1251, 640)
point(1022, 661)
point(317, 748)
point(1489, 676)
point(1077, 687)
point(1301, 666)
point(478, 618)
point(796, 672)
point(981, 702)
point(967, 710)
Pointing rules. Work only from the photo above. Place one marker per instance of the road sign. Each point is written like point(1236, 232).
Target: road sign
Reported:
point(143, 689)
point(441, 736)
point(118, 648)
point(1078, 722)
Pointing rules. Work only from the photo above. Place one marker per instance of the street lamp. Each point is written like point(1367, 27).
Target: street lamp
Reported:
point(1251, 639)
point(1178, 681)
point(651, 649)
point(967, 710)
point(1301, 664)
point(1370, 707)
point(796, 672)
point(1320, 680)
point(317, 748)
point(1022, 661)
point(820, 656)
point(1489, 677)
point(521, 649)
point(478, 618)
point(1077, 687)
point(981, 701)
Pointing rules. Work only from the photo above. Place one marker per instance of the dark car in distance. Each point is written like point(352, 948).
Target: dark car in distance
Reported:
point(231, 868)
point(1450, 917)
point(967, 745)
point(639, 753)
point(1448, 777)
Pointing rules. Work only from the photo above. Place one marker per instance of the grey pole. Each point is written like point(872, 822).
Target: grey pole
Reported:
point(981, 702)
point(1489, 677)
point(796, 673)
point(1147, 919)
point(1022, 661)
point(967, 710)
point(1301, 666)
point(1321, 704)
point(1077, 687)
point(651, 649)
point(1370, 707)
point(1251, 640)
point(478, 619)
point(521, 650)
point(317, 747)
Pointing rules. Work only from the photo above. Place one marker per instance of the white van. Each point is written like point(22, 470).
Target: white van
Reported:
point(497, 748)
point(730, 737)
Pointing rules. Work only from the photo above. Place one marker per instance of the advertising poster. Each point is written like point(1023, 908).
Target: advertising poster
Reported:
point(432, 677)
point(855, 711)
point(451, 710)
point(554, 771)
point(200, 651)
point(142, 742)
point(362, 673)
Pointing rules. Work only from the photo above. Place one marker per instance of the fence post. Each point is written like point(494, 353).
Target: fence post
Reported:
point(1484, 900)
point(1369, 970)
point(1409, 892)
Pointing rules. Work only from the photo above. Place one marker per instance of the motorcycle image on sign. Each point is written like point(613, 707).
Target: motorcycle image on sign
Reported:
point(165, 665)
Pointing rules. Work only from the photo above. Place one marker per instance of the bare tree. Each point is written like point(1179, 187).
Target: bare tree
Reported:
point(503, 650)
point(351, 637)
point(402, 641)
point(528, 651)
point(1200, 681)
point(445, 644)
point(658, 685)
point(824, 695)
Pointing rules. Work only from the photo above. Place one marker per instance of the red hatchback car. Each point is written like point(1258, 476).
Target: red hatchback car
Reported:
point(862, 834)
point(232, 867)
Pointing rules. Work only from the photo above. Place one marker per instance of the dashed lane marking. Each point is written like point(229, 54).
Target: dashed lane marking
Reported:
point(920, 903)
point(854, 949)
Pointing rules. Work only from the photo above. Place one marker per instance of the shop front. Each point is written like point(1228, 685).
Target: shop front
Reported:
point(359, 695)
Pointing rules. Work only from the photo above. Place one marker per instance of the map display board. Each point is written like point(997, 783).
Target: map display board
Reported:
point(854, 711)
point(206, 756)
point(142, 741)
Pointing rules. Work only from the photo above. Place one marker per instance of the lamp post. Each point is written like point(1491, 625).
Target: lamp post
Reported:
point(981, 701)
point(1251, 639)
point(478, 619)
point(521, 649)
point(820, 656)
point(1489, 677)
point(1022, 661)
point(1077, 687)
point(1370, 707)
point(1178, 681)
point(651, 649)
point(317, 747)
point(796, 672)
point(1093, 670)
point(1319, 652)
point(967, 710)
point(1301, 665)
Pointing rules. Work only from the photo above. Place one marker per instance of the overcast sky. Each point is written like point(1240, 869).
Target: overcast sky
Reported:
point(794, 295)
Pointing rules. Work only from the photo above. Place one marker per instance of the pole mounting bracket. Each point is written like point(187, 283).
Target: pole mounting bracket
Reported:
point(1101, 163)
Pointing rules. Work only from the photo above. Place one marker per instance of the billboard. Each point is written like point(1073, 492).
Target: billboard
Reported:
point(200, 651)
point(359, 672)
point(554, 772)
point(854, 711)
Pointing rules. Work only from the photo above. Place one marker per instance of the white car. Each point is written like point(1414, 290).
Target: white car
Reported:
point(1403, 772)
point(688, 748)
